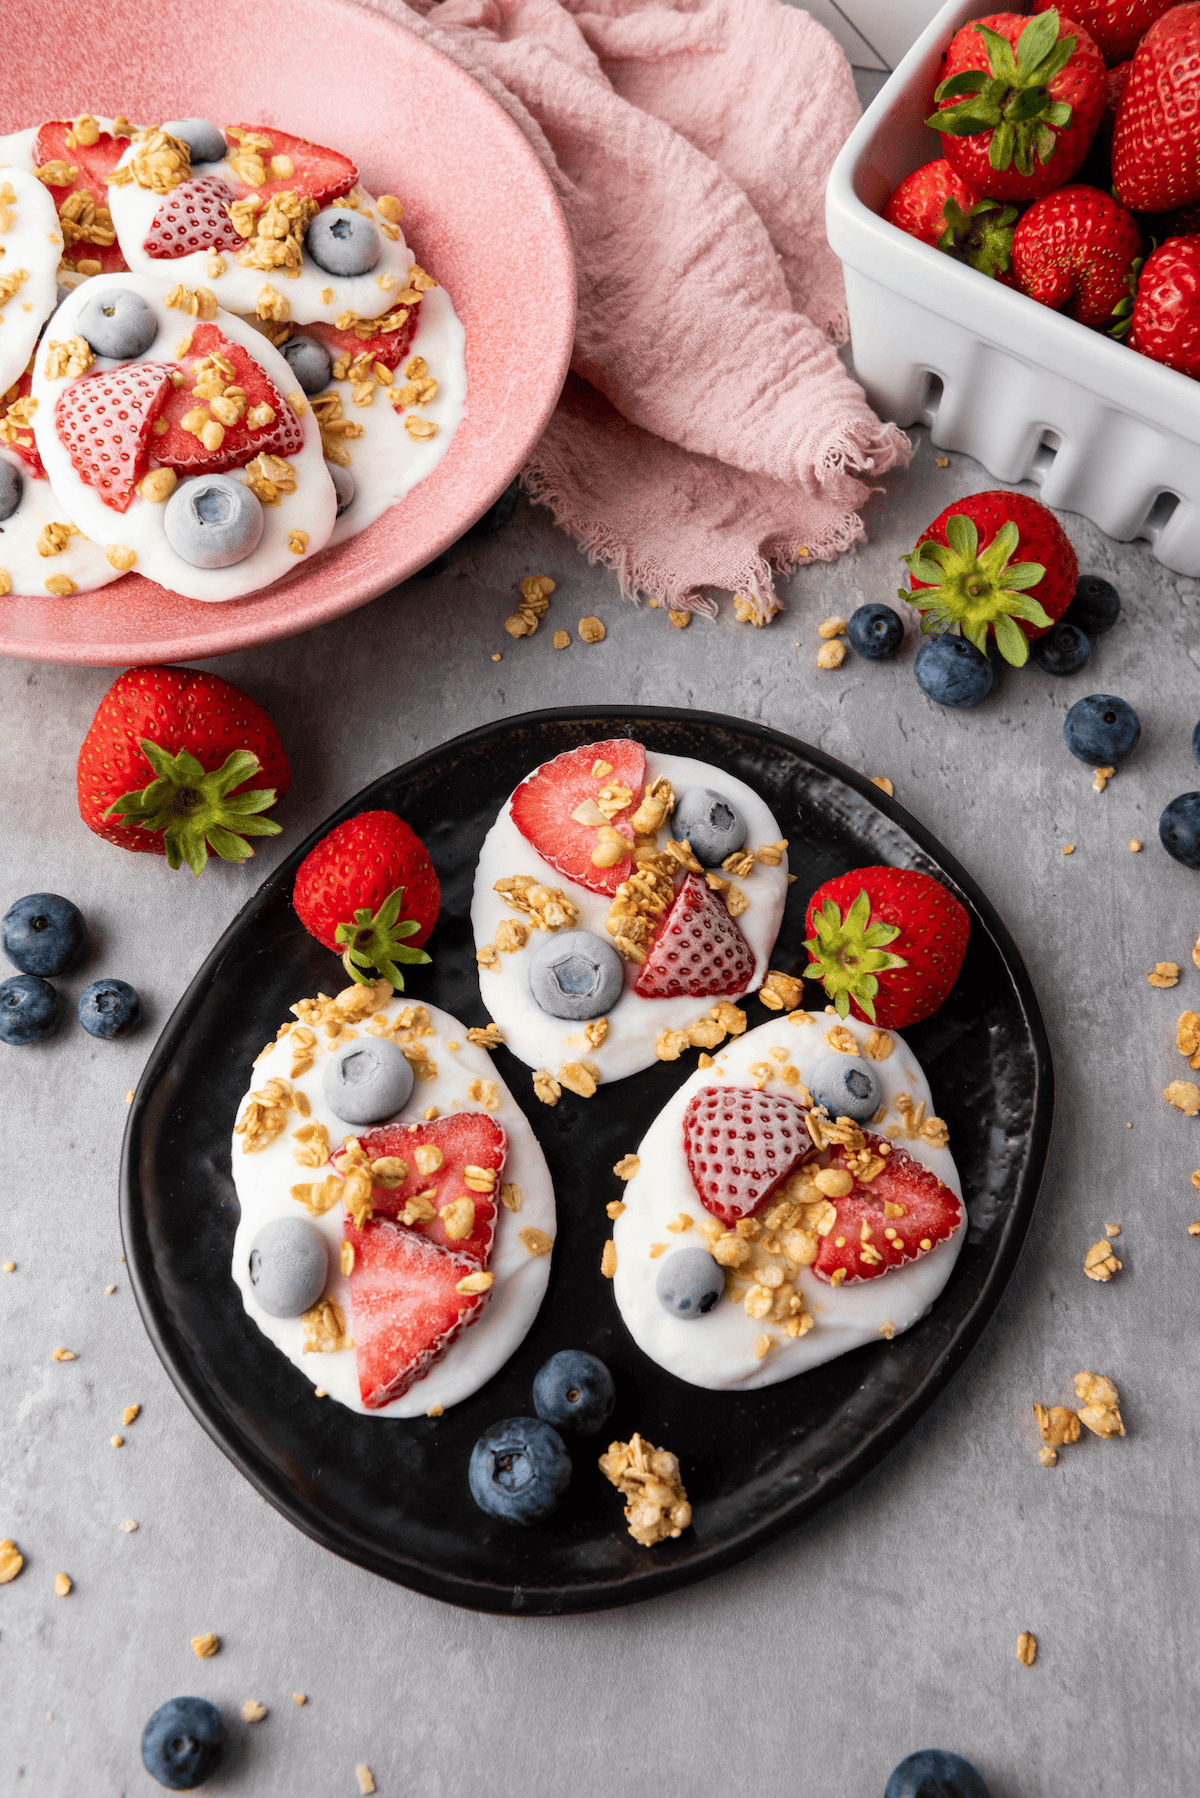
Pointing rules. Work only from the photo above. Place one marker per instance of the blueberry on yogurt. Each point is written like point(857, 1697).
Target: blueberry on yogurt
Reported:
point(519, 1470)
point(575, 975)
point(12, 485)
point(710, 823)
point(689, 1284)
point(288, 1266)
point(118, 323)
point(344, 485)
point(213, 521)
point(183, 1742)
point(574, 1391)
point(369, 1082)
point(205, 141)
point(343, 242)
point(310, 362)
point(846, 1086)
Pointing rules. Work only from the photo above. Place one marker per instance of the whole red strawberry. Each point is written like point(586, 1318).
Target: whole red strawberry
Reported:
point(1165, 322)
point(350, 891)
point(964, 577)
point(1116, 27)
point(1156, 145)
point(933, 205)
point(177, 763)
point(1075, 250)
point(886, 943)
point(1019, 104)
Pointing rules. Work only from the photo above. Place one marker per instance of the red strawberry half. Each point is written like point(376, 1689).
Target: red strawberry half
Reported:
point(405, 1304)
point(388, 347)
point(193, 216)
point(740, 1145)
point(1156, 146)
point(281, 435)
point(93, 163)
point(966, 559)
point(321, 173)
point(104, 421)
point(544, 807)
point(699, 953)
point(1075, 250)
point(886, 943)
point(352, 888)
point(22, 441)
point(465, 1139)
point(868, 1238)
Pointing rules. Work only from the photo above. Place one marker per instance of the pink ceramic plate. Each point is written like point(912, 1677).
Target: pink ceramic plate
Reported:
point(478, 211)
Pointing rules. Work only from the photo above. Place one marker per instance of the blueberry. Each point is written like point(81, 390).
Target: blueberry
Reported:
point(344, 485)
point(12, 485)
point(1196, 742)
point(875, 632)
point(369, 1082)
point(847, 1086)
point(499, 514)
point(689, 1284)
point(1064, 650)
point(1095, 607)
point(1102, 729)
point(205, 142)
point(118, 323)
point(289, 1266)
point(343, 242)
point(934, 1773)
point(951, 671)
point(519, 1469)
point(213, 521)
point(310, 362)
point(710, 823)
point(574, 1391)
point(110, 1008)
point(1178, 831)
point(29, 1008)
point(44, 934)
point(574, 974)
point(182, 1743)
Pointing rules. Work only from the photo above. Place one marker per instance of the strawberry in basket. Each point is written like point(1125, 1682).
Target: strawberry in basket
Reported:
point(1020, 103)
point(1116, 27)
point(1156, 144)
point(1165, 321)
point(1078, 250)
point(933, 204)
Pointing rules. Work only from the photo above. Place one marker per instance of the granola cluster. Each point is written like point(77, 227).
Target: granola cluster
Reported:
point(648, 1478)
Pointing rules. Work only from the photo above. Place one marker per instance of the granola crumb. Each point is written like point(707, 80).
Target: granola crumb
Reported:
point(1068, 848)
point(649, 1479)
point(300, 1698)
point(10, 1267)
point(129, 1413)
point(1135, 844)
point(1187, 1037)
point(591, 630)
point(887, 1330)
point(63, 1585)
point(62, 1354)
point(1112, 1229)
point(1101, 779)
point(129, 1525)
point(511, 1196)
point(1026, 1648)
point(831, 627)
point(1184, 1095)
point(1164, 974)
point(1048, 1457)
point(11, 1561)
point(1193, 1229)
point(129, 1097)
point(108, 1291)
point(1100, 1263)
point(366, 1780)
point(608, 1260)
point(615, 1207)
point(436, 1411)
point(883, 783)
point(831, 654)
point(562, 639)
point(117, 1441)
point(1100, 1410)
point(204, 1647)
point(1056, 1424)
point(536, 1241)
point(253, 1711)
point(679, 619)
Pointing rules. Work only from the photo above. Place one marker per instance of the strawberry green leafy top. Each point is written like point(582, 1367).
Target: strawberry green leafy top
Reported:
point(1012, 98)
point(848, 953)
point(196, 811)
point(970, 591)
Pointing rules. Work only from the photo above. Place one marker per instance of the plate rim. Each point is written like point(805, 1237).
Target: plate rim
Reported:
point(469, 1592)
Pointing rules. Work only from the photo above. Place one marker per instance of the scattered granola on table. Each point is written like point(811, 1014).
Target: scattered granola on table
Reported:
point(1099, 1409)
point(649, 1479)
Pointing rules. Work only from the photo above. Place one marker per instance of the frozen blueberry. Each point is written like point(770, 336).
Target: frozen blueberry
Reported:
point(110, 1008)
point(574, 1391)
point(118, 323)
point(847, 1086)
point(1102, 729)
point(29, 1008)
point(288, 1266)
point(689, 1284)
point(310, 362)
point(1064, 650)
point(368, 1082)
point(1096, 605)
point(1178, 831)
point(44, 934)
point(951, 671)
point(205, 142)
point(519, 1469)
point(344, 485)
point(710, 822)
point(213, 521)
point(343, 242)
point(934, 1773)
point(183, 1742)
point(876, 632)
point(12, 485)
point(573, 974)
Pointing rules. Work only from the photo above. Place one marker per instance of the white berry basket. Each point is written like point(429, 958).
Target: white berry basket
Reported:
point(1030, 394)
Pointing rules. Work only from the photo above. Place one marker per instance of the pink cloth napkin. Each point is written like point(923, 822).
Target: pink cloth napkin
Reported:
point(708, 434)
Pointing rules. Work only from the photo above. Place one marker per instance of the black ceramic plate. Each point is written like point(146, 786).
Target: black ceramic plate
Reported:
point(393, 1495)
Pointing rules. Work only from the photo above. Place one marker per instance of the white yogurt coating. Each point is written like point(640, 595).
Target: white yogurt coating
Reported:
point(31, 240)
point(18, 150)
point(82, 561)
point(311, 508)
point(717, 1350)
point(264, 1180)
point(633, 1022)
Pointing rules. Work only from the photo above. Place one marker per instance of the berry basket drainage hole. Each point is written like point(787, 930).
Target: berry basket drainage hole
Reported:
point(1048, 446)
point(1159, 515)
point(932, 390)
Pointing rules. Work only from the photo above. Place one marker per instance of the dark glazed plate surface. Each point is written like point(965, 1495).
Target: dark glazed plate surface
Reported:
point(393, 1495)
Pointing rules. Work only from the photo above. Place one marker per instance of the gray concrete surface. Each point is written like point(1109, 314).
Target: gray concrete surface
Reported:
point(890, 1622)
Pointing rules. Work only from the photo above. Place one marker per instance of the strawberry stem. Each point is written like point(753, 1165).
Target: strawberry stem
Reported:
point(198, 811)
point(982, 237)
point(848, 954)
point(377, 942)
point(972, 592)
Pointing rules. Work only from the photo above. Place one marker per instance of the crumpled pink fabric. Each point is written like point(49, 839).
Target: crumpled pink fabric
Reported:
point(708, 434)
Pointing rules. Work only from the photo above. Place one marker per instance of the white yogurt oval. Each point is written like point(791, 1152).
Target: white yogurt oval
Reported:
point(30, 248)
point(28, 571)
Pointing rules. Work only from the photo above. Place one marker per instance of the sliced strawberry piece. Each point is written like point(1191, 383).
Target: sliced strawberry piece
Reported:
point(21, 440)
point(193, 216)
point(868, 1238)
point(542, 808)
point(465, 1139)
point(699, 952)
point(178, 448)
point(388, 347)
point(93, 164)
point(405, 1304)
point(740, 1145)
point(324, 174)
point(104, 421)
